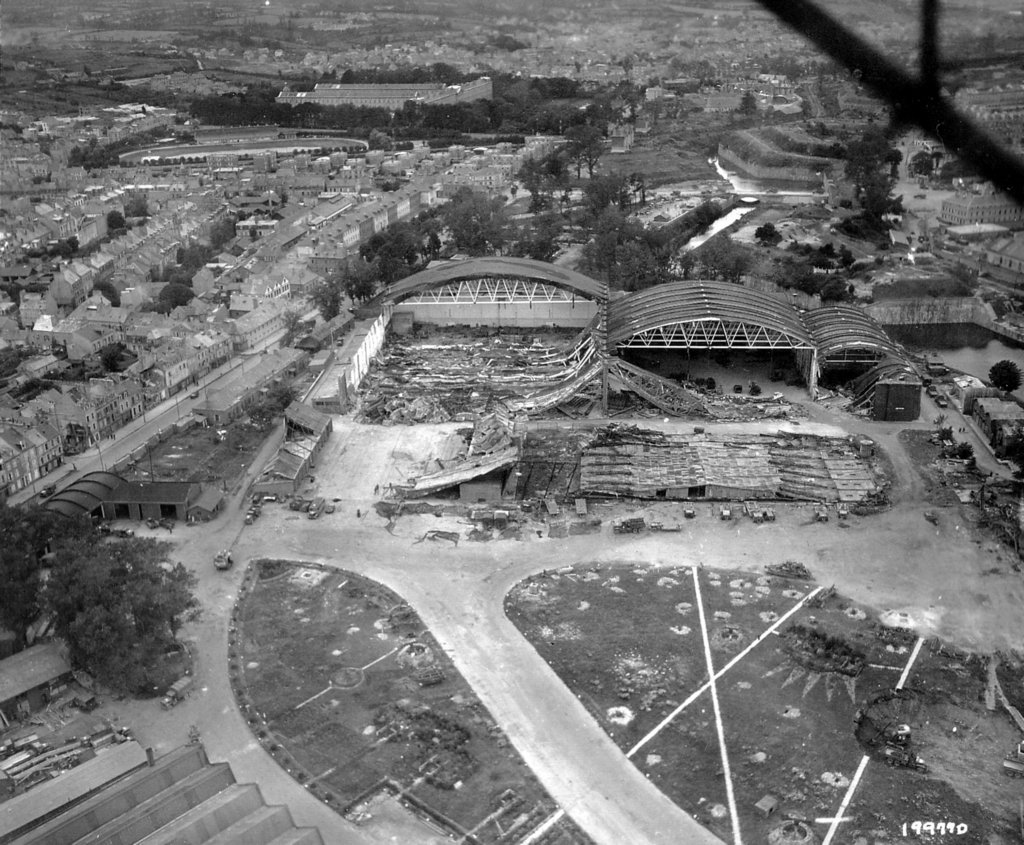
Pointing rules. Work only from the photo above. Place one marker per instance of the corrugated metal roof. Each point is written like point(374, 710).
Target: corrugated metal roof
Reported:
point(84, 495)
point(27, 669)
point(838, 327)
point(696, 301)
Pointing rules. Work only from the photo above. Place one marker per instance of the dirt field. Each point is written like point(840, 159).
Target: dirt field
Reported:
point(357, 694)
point(200, 455)
point(627, 639)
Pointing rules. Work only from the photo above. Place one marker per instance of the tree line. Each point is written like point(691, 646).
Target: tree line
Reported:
point(118, 604)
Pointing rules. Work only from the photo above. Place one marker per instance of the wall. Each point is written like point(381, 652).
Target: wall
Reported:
point(909, 312)
point(732, 161)
point(371, 345)
point(571, 315)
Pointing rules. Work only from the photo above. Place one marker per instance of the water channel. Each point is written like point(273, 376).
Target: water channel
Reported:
point(961, 346)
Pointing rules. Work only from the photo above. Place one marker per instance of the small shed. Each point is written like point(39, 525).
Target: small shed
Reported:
point(209, 503)
point(30, 678)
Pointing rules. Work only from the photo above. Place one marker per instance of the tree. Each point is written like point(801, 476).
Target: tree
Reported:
point(221, 232)
point(115, 220)
point(478, 225)
point(585, 147)
point(174, 295)
point(119, 606)
point(869, 164)
point(29, 534)
point(278, 397)
point(360, 280)
point(327, 296)
point(292, 323)
point(1005, 375)
point(110, 356)
point(137, 206)
point(109, 292)
point(748, 104)
point(767, 234)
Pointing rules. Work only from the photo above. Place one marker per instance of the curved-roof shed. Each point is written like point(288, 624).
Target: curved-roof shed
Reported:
point(520, 268)
point(838, 329)
point(85, 494)
point(705, 315)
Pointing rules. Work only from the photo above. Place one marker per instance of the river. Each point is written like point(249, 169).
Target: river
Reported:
point(716, 227)
point(965, 347)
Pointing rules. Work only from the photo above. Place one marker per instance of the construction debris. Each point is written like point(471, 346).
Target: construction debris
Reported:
point(649, 464)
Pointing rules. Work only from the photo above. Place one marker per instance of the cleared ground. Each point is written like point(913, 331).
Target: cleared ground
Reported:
point(200, 454)
point(356, 695)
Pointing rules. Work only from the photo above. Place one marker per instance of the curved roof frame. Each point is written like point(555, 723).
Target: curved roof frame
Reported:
point(498, 267)
point(844, 330)
point(705, 315)
point(85, 494)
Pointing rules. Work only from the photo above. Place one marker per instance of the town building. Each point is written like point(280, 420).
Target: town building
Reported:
point(390, 96)
point(1004, 260)
point(27, 453)
point(985, 205)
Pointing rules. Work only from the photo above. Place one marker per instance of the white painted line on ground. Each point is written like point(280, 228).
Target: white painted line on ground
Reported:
point(379, 659)
point(910, 663)
point(846, 801)
point(313, 698)
point(729, 795)
point(864, 760)
point(544, 827)
point(664, 723)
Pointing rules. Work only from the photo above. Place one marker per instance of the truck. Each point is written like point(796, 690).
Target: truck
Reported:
point(1013, 765)
point(223, 559)
point(633, 525)
point(900, 755)
point(317, 507)
point(177, 692)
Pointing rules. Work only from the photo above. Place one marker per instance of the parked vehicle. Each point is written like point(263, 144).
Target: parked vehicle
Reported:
point(897, 755)
point(177, 692)
point(1013, 765)
point(329, 508)
point(317, 507)
point(152, 523)
point(47, 491)
point(821, 514)
point(725, 513)
point(689, 513)
point(633, 525)
point(223, 560)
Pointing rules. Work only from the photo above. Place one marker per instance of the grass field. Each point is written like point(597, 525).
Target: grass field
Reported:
point(337, 664)
point(628, 640)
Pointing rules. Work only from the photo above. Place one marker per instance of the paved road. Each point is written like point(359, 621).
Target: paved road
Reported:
point(138, 431)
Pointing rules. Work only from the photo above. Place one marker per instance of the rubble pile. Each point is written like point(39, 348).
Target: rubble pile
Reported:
point(416, 382)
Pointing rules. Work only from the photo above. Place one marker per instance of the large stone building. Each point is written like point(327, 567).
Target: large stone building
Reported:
point(390, 96)
point(984, 206)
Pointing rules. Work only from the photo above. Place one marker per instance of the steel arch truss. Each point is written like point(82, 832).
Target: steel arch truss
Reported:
point(713, 333)
point(490, 290)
